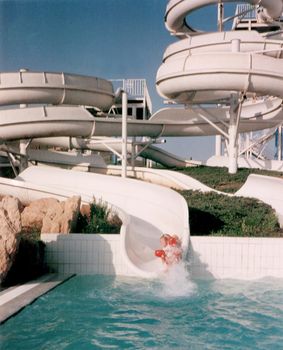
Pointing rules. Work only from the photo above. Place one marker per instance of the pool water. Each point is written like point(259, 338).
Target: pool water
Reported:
point(102, 312)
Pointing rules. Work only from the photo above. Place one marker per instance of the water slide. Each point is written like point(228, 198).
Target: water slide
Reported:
point(267, 189)
point(200, 69)
point(230, 66)
point(158, 155)
point(146, 210)
point(77, 122)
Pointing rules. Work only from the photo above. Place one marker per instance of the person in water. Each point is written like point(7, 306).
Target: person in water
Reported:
point(171, 252)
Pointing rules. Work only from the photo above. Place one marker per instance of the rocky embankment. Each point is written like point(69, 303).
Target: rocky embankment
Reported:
point(21, 251)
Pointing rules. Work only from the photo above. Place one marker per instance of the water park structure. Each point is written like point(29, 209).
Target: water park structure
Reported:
point(222, 83)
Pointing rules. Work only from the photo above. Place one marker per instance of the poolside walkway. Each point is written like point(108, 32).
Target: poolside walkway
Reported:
point(14, 299)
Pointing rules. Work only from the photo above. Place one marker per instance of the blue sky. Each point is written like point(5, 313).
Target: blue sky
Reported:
point(106, 38)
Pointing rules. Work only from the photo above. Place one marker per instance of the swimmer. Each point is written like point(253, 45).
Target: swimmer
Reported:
point(161, 253)
point(171, 251)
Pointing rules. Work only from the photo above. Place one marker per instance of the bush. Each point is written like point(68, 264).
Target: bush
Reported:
point(215, 214)
point(100, 220)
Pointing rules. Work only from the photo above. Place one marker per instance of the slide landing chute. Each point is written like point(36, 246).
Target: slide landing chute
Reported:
point(151, 210)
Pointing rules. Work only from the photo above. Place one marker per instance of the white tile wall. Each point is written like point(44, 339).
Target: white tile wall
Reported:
point(241, 258)
point(84, 254)
point(209, 257)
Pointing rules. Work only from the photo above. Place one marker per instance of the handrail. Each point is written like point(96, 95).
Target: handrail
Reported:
point(134, 88)
point(246, 10)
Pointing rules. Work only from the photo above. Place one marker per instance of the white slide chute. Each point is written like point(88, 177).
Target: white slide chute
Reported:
point(151, 210)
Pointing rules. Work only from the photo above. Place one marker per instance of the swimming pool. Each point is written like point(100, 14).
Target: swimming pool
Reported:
point(102, 312)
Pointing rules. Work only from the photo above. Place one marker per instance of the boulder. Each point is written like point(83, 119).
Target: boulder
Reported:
point(51, 222)
point(10, 228)
point(85, 210)
point(33, 214)
point(70, 216)
point(63, 217)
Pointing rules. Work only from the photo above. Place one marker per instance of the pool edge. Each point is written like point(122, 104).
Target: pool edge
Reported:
point(14, 300)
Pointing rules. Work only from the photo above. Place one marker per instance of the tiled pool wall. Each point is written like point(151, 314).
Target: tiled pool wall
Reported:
point(85, 254)
point(209, 257)
point(240, 258)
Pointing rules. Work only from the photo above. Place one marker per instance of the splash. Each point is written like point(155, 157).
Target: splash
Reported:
point(176, 282)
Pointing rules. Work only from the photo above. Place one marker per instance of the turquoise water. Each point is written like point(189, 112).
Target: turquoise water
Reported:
point(101, 312)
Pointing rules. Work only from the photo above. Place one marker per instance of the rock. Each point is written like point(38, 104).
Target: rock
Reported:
point(33, 214)
point(51, 222)
point(10, 228)
point(13, 207)
point(63, 217)
point(70, 216)
point(85, 210)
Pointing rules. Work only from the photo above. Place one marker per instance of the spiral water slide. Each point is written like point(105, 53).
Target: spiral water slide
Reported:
point(223, 67)
point(146, 210)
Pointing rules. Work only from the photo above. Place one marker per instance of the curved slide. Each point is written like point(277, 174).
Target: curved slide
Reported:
point(267, 189)
point(205, 68)
point(151, 210)
point(147, 210)
point(224, 68)
point(76, 121)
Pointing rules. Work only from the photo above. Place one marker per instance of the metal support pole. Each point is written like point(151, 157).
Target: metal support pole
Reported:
point(218, 142)
point(133, 156)
point(220, 16)
point(280, 142)
point(235, 111)
point(233, 134)
point(23, 151)
point(23, 143)
point(124, 133)
point(11, 160)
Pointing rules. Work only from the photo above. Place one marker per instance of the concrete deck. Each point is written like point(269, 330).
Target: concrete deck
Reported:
point(14, 299)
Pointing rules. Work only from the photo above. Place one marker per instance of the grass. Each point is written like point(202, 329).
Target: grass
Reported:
point(220, 215)
point(100, 220)
point(219, 178)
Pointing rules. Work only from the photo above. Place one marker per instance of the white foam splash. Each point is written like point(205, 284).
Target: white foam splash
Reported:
point(176, 282)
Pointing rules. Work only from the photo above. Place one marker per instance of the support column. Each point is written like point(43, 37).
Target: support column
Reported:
point(220, 16)
point(218, 145)
point(133, 155)
point(124, 133)
point(23, 152)
point(23, 143)
point(234, 121)
point(280, 142)
point(233, 134)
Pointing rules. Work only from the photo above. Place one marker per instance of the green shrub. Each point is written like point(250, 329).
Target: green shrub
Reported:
point(215, 214)
point(100, 220)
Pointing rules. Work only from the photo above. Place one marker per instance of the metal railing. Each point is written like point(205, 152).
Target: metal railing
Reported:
point(134, 88)
point(248, 11)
